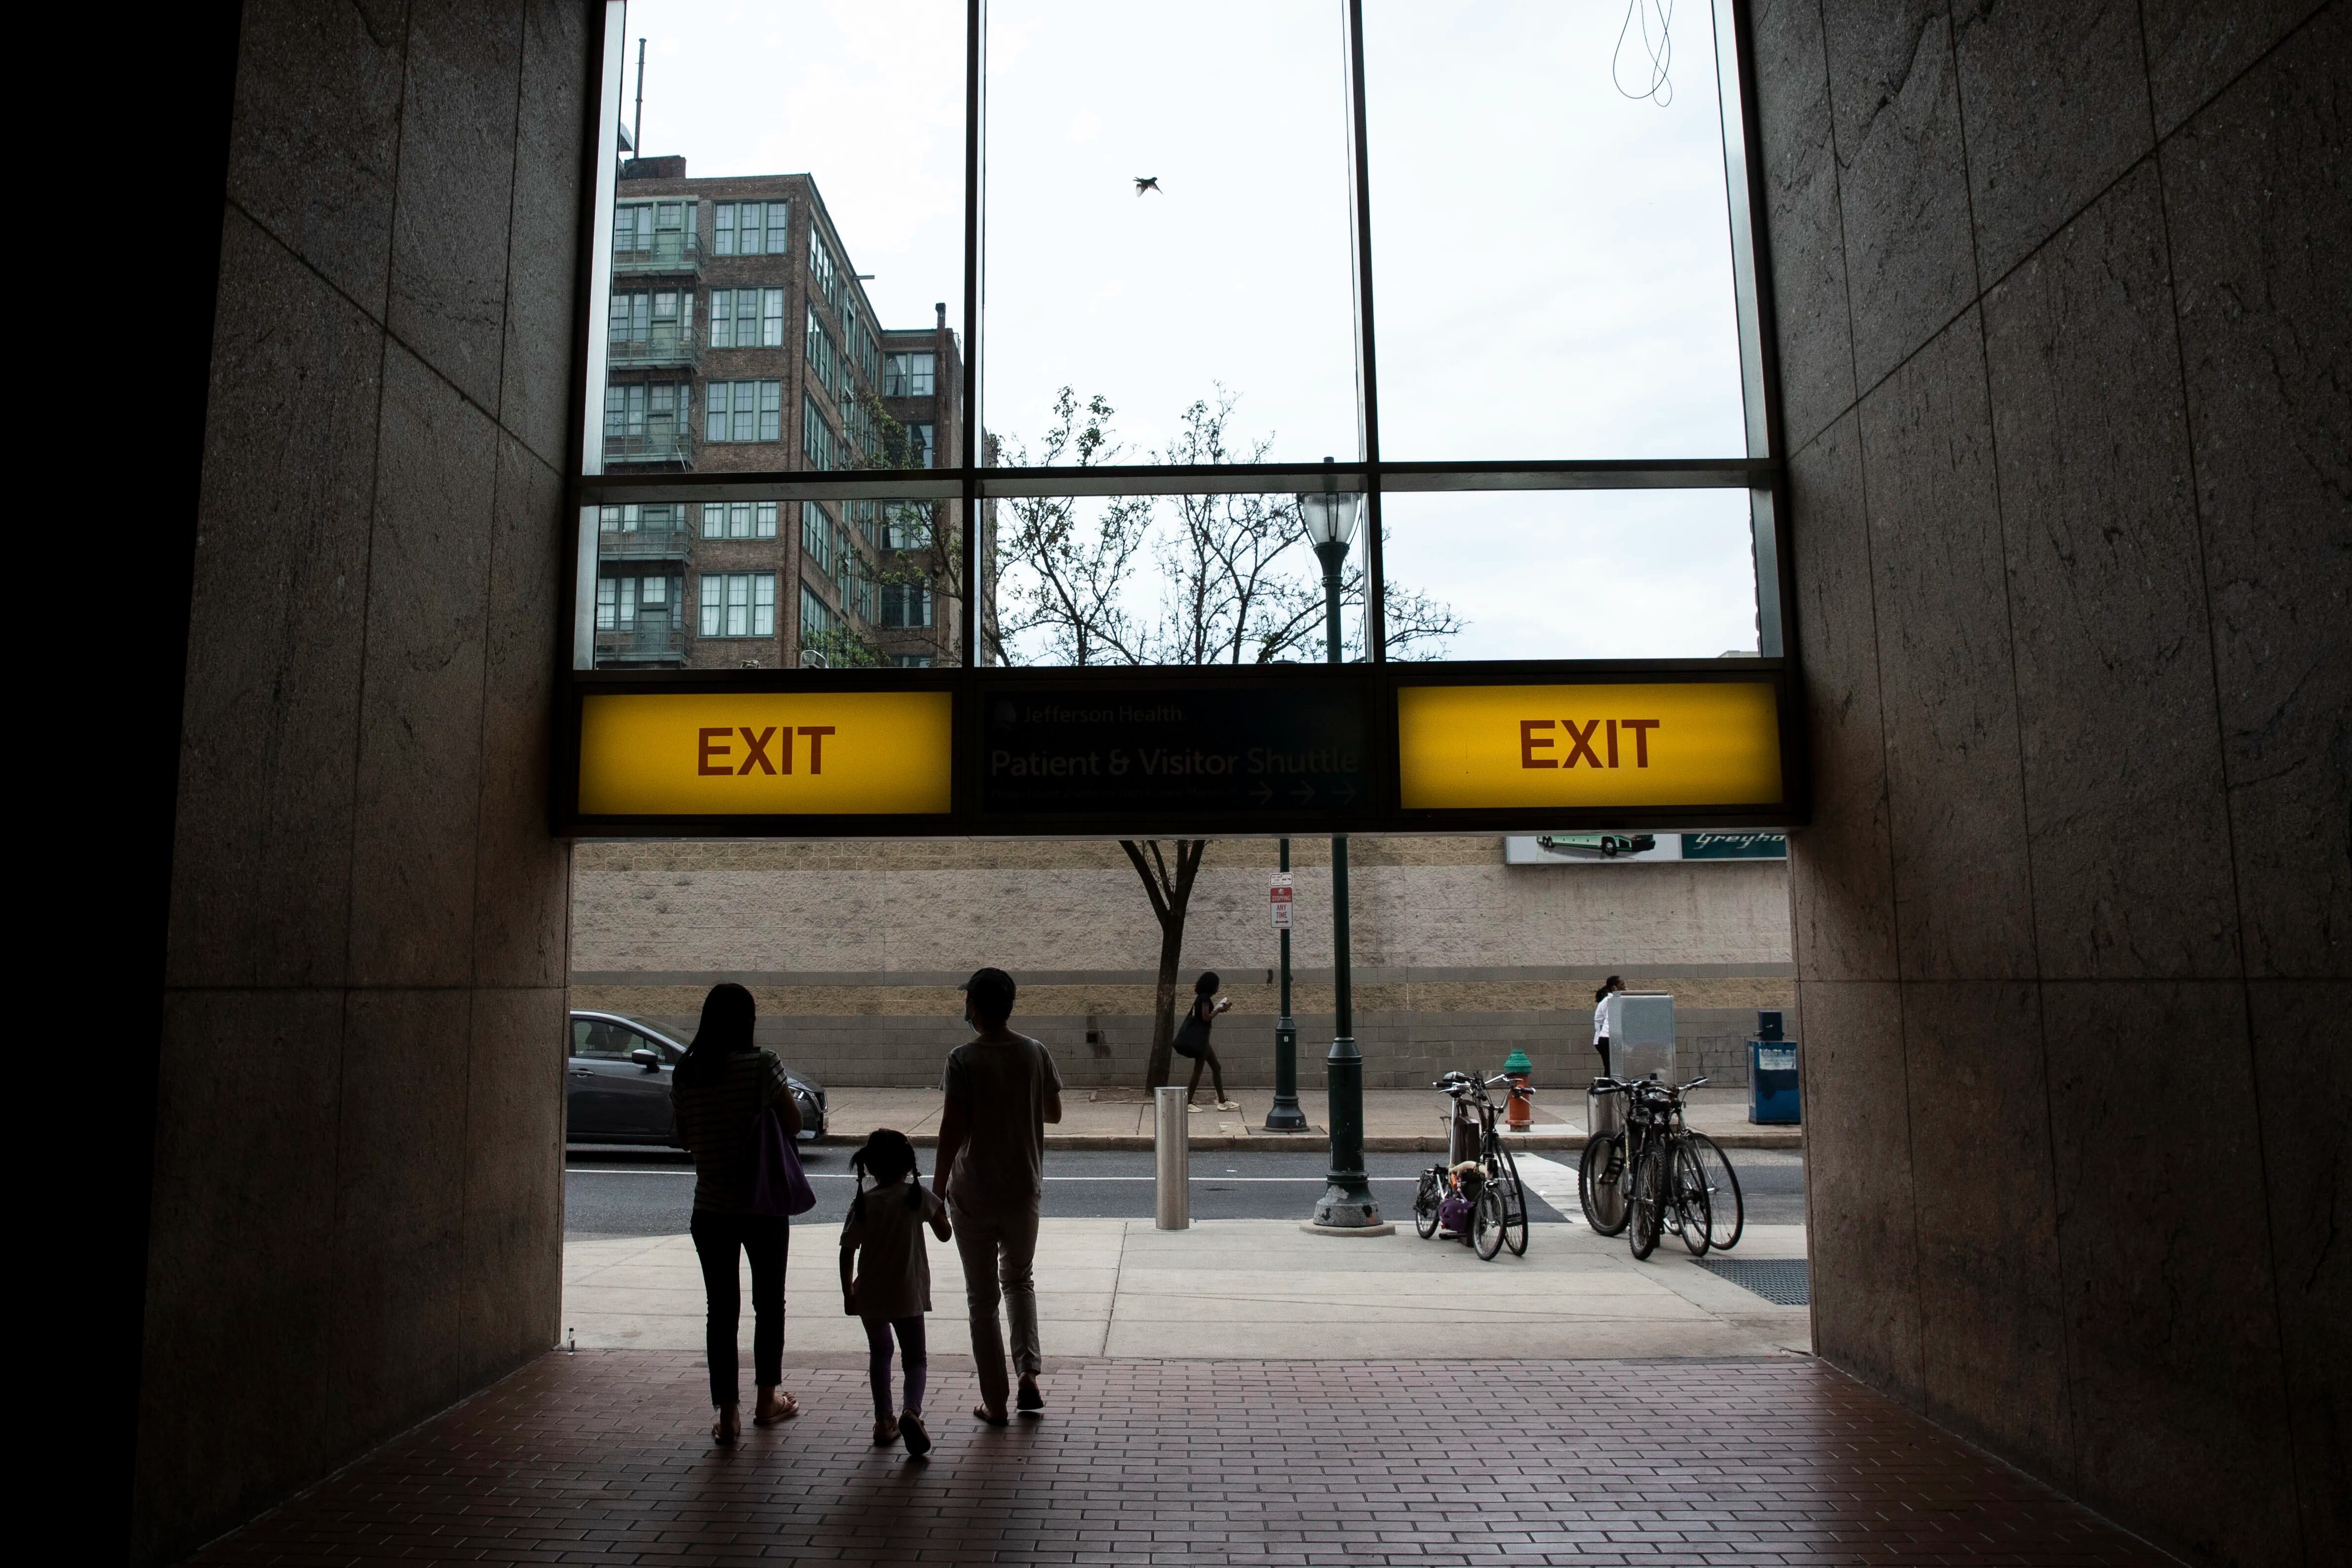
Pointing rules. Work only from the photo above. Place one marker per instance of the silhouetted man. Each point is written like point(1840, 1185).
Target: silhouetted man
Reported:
point(1001, 1090)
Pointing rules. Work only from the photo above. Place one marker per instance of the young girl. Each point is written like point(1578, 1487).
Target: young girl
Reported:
point(892, 1288)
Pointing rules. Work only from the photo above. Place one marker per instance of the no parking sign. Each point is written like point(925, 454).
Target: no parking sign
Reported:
point(1278, 899)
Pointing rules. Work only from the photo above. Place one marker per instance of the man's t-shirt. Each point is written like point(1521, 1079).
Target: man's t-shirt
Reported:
point(1002, 1086)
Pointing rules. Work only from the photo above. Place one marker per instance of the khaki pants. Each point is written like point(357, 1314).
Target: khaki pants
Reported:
point(998, 1251)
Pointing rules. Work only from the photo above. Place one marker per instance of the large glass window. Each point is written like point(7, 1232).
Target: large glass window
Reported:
point(1487, 269)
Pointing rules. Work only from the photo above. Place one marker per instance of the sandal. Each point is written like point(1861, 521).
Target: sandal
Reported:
point(723, 1437)
point(993, 1417)
point(792, 1408)
point(918, 1441)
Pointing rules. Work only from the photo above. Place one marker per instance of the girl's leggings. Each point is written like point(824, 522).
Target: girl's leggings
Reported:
point(877, 1362)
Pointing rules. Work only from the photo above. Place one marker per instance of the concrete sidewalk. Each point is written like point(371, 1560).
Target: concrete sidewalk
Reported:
point(1396, 1120)
point(1241, 1290)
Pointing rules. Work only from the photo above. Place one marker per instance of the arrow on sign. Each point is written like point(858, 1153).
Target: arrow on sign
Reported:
point(1346, 792)
point(1262, 792)
point(1304, 792)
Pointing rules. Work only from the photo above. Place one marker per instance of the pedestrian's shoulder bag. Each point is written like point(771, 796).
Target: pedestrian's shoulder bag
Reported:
point(778, 1185)
point(1193, 1033)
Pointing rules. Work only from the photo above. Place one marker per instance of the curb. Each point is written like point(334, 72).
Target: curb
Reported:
point(1537, 1142)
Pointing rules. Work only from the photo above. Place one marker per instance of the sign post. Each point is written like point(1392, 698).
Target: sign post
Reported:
point(1285, 1115)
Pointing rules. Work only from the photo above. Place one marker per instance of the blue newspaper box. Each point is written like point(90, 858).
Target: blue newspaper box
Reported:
point(1772, 1074)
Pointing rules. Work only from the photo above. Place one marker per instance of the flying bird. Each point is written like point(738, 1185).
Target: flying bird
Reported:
point(1147, 183)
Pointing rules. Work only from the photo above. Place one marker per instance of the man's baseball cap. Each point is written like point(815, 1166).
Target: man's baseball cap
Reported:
point(992, 989)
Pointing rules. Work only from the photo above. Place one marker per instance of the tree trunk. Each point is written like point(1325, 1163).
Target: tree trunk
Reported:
point(1171, 894)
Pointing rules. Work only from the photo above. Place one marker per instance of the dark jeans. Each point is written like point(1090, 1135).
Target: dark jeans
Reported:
point(767, 1238)
point(1601, 1049)
point(1207, 1058)
point(877, 1361)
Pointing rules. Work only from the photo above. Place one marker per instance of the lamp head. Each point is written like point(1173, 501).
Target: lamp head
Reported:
point(1329, 513)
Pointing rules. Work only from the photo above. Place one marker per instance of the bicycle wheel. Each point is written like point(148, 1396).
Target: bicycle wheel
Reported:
point(1690, 1199)
point(1425, 1199)
point(1600, 1183)
point(1646, 1212)
point(1515, 1203)
point(1726, 1215)
point(1486, 1222)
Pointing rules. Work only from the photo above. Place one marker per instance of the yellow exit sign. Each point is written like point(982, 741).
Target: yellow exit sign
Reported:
point(1700, 743)
point(766, 753)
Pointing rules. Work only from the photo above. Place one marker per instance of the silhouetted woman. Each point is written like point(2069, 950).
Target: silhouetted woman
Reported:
point(1192, 1040)
point(1600, 1020)
point(721, 1085)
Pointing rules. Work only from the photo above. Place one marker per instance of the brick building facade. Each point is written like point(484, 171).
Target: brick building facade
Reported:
point(740, 339)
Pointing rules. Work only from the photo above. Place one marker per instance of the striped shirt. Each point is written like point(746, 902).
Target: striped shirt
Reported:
point(714, 1121)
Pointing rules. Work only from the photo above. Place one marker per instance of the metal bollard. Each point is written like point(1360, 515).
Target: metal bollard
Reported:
point(1172, 1143)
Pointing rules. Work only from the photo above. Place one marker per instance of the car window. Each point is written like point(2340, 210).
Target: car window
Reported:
point(603, 1040)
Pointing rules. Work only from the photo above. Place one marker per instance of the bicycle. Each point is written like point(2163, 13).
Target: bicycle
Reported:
point(1680, 1180)
point(1488, 1184)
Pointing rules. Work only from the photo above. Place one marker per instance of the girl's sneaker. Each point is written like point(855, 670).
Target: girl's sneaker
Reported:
point(1229, 1105)
point(885, 1433)
point(910, 1427)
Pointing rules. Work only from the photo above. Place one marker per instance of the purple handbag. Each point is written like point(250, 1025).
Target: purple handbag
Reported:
point(778, 1185)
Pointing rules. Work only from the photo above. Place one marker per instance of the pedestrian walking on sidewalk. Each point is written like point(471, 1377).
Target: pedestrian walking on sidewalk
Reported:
point(885, 1277)
point(721, 1088)
point(1192, 1040)
point(1001, 1090)
point(1600, 1020)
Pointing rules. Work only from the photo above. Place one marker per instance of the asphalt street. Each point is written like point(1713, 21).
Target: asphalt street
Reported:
point(609, 1192)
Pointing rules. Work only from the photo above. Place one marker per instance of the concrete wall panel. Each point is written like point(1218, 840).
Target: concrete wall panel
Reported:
point(2259, 189)
point(420, 777)
point(2178, 1387)
point(2114, 665)
point(1956, 808)
point(272, 686)
point(513, 1214)
point(2196, 47)
point(1841, 917)
point(2055, 101)
point(535, 401)
point(314, 148)
point(1814, 327)
point(457, 189)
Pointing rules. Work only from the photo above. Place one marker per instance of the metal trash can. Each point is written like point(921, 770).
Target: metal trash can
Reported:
point(1772, 1093)
point(1603, 1113)
point(1172, 1146)
point(1641, 1029)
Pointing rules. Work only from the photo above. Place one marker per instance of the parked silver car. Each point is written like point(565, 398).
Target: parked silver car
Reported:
point(616, 1084)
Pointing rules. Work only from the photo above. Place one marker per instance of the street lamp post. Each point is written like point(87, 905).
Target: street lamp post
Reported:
point(1285, 1115)
point(1347, 1203)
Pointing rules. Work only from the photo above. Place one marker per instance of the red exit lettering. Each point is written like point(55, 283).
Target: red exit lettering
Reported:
point(1580, 741)
point(768, 750)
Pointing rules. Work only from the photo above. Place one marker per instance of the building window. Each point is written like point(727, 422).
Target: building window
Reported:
point(906, 604)
point(739, 520)
point(747, 318)
point(660, 226)
point(816, 537)
point(738, 605)
point(909, 375)
point(906, 525)
point(660, 316)
point(638, 408)
point(911, 661)
point(744, 410)
point(752, 228)
point(825, 362)
point(823, 268)
point(923, 445)
point(819, 445)
point(817, 618)
point(665, 519)
point(623, 601)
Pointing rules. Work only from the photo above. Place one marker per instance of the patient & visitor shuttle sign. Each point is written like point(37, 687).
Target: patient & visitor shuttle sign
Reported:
point(1695, 743)
point(837, 754)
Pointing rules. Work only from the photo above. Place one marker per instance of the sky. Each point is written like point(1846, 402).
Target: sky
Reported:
point(1551, 265)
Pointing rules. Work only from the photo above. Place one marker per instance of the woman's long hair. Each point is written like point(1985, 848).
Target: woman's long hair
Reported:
point(1207, 985)
point(889, 1158)
point(1611, 984)
point(728, 1014)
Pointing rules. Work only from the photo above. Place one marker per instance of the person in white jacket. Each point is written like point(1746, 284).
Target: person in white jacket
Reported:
point(1600, 1019)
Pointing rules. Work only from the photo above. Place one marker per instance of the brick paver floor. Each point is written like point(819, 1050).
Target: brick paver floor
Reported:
point(603, 1457)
